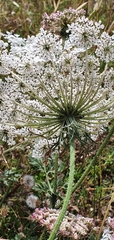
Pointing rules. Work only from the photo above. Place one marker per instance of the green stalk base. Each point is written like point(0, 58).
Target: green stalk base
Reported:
point(68, 193)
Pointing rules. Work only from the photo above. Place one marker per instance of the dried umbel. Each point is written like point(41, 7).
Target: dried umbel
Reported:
point(58, 88)
point(58, 22)
point(28, 181)
point(31, 201)
point(73, 226)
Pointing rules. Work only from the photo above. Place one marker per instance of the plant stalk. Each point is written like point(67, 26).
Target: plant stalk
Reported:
point(42, 235)
point(9, 186)
point(105, 216)
point(54, 195)
point(94, 159)
point(68, 193)
point(6, 193)
point(81, 179)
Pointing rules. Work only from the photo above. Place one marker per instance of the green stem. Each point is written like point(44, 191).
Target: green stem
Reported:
point(42, 235)
point(94, 159)
point(10, 185)
point(54, 195)
point(68, 193)
point(6, 193)
point(55, 174)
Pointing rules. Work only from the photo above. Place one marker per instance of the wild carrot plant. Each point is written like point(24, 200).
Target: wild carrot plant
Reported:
point(57, 86)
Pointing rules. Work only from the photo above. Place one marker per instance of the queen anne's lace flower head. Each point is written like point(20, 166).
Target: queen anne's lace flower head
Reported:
point(57, 88)
point(105, 48)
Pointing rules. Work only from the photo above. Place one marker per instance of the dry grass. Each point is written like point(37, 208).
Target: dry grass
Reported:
point(24, 16)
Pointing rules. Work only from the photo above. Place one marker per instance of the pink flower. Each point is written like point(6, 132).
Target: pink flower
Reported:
point(74, 226)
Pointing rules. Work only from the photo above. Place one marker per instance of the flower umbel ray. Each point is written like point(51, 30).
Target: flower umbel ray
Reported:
point(67, 116)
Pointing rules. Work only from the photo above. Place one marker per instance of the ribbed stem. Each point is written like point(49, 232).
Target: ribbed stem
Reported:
point(68, 193)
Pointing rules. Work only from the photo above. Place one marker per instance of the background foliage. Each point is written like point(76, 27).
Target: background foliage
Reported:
point(24, 16)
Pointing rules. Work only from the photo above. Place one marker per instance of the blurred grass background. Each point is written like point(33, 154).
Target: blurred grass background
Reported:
point(24, 16)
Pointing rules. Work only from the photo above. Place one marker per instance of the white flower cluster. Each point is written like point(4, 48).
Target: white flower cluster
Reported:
point(44, 75)
point(73, 226)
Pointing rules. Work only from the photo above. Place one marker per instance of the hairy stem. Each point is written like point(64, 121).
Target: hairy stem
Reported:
point(68, 193)
point(79, 182)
